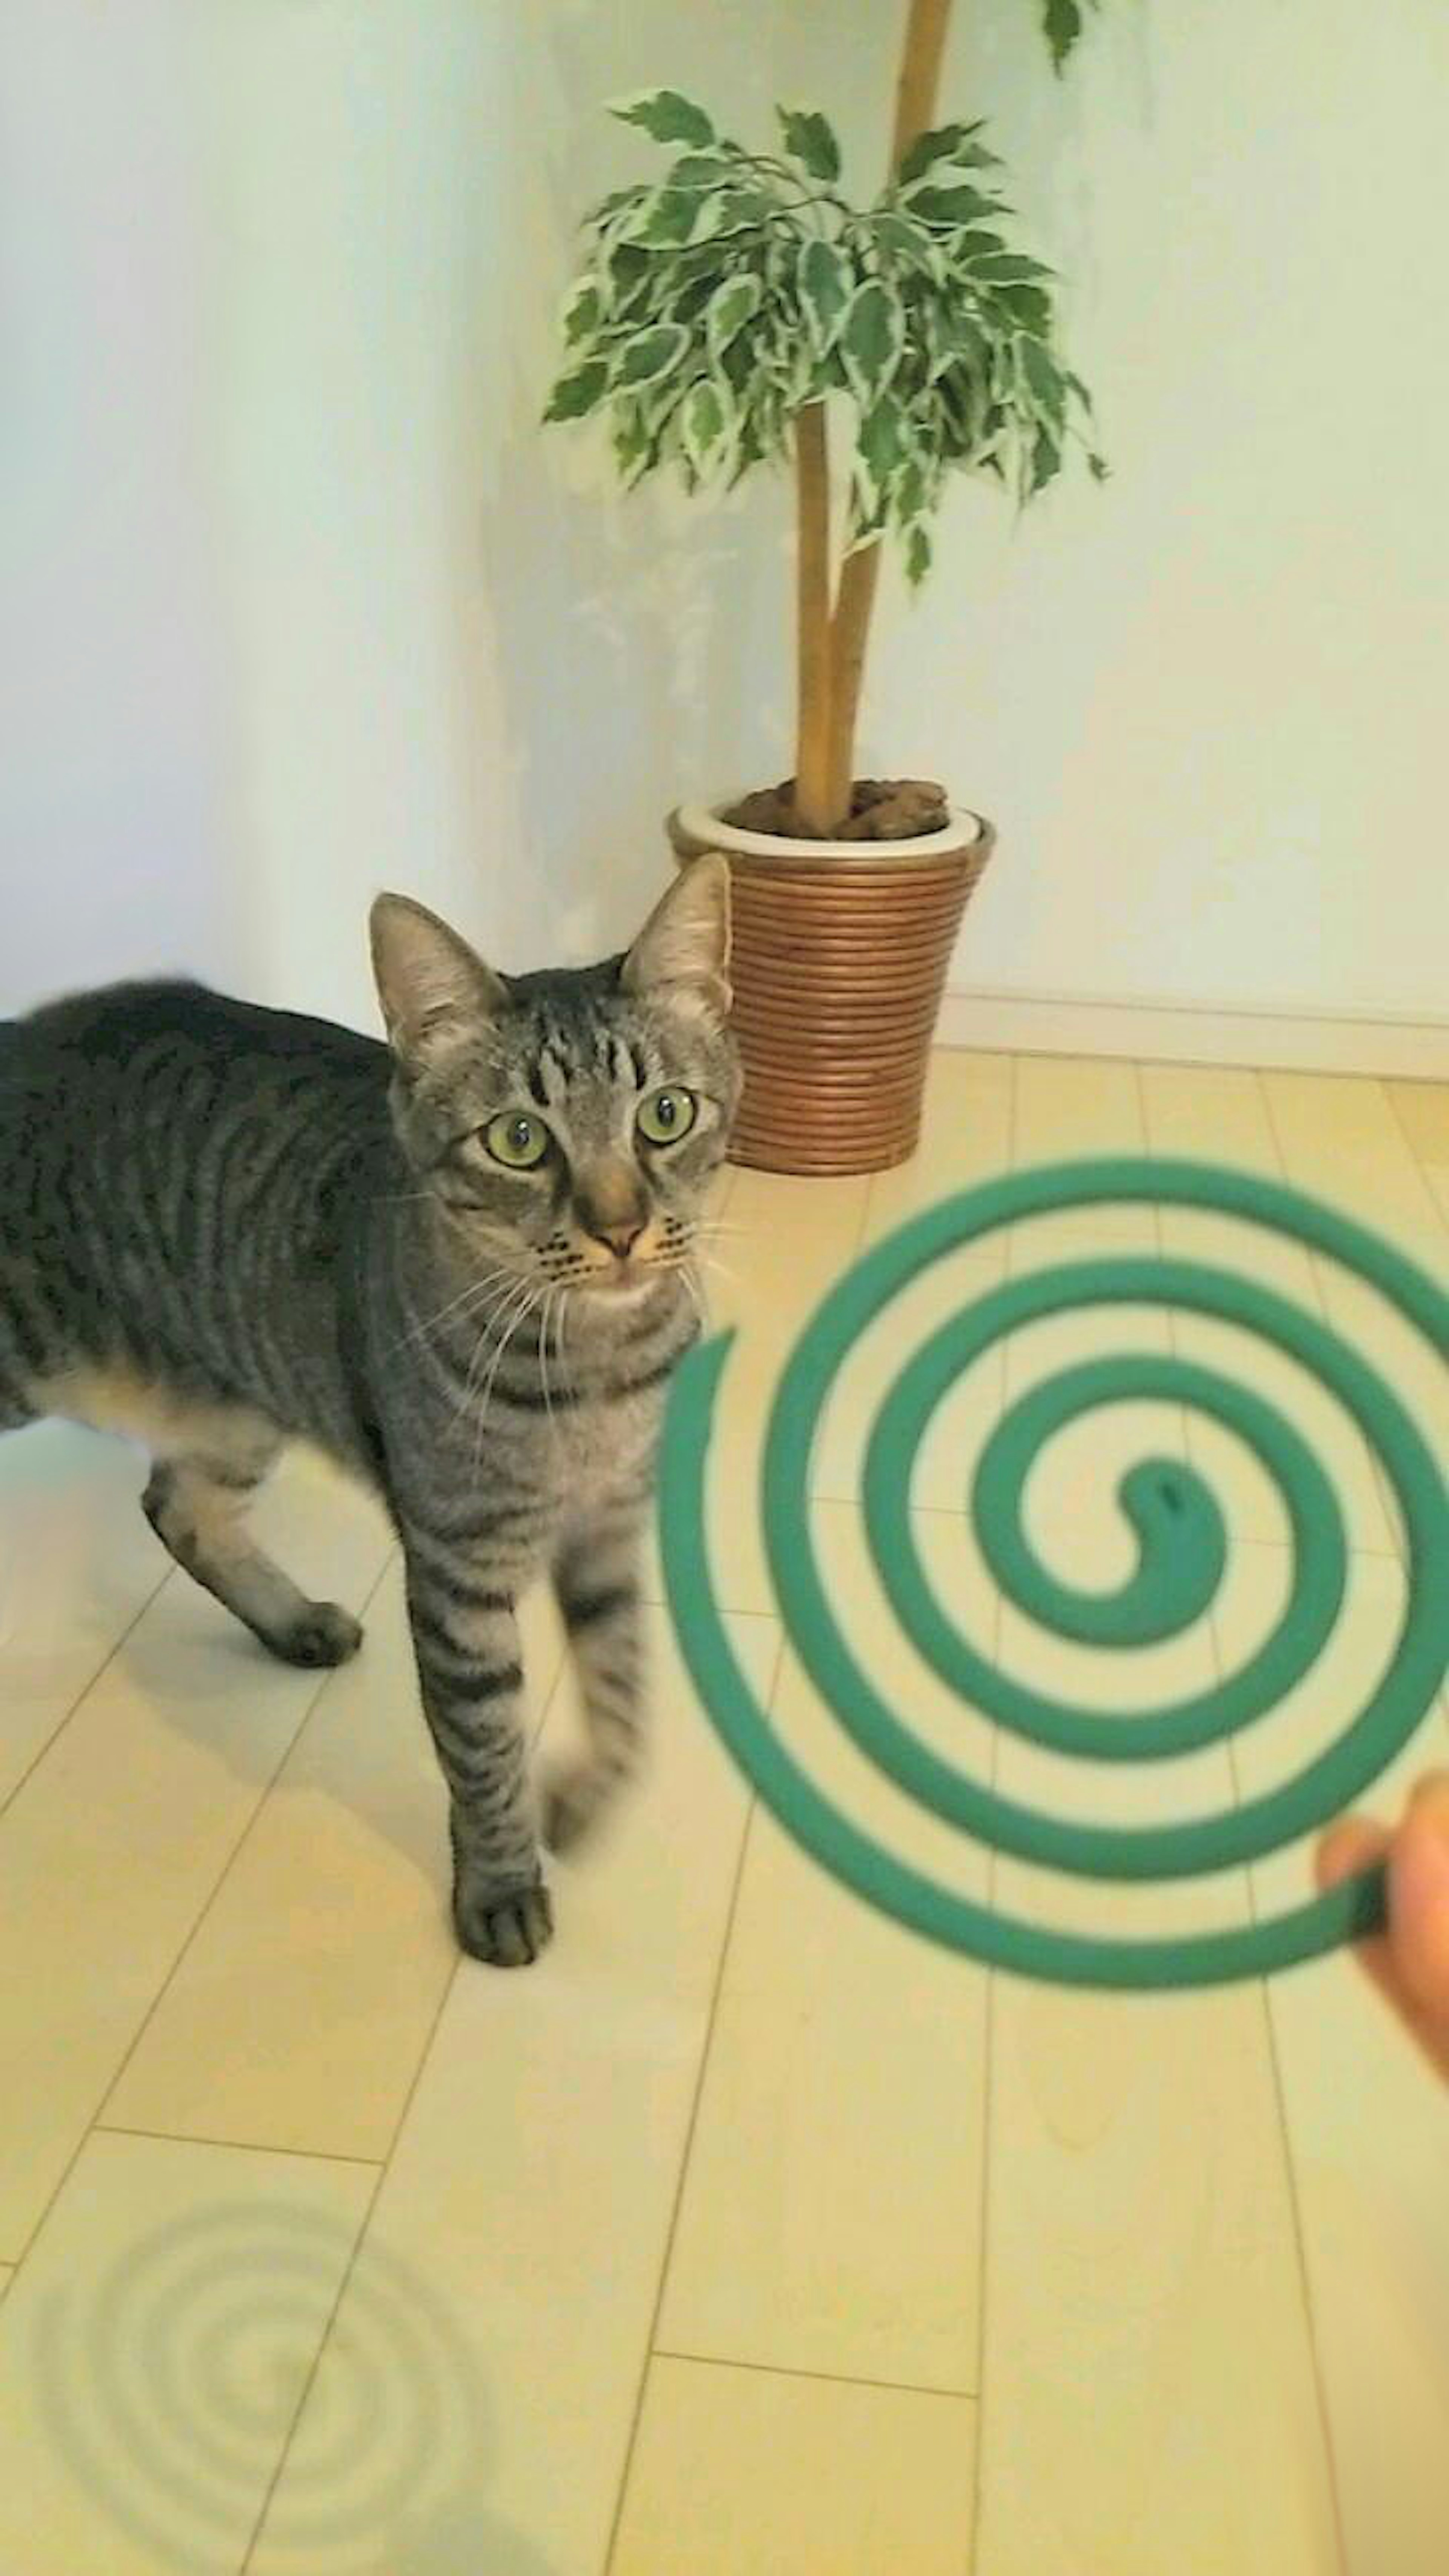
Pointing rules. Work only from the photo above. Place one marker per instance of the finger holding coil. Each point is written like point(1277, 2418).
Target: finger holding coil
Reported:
point(1181, 1553)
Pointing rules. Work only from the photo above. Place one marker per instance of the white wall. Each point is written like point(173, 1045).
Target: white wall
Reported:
point(298, 600)
point(114, 834)
point(308, 604)
point(1206, 704)
point(464, 665)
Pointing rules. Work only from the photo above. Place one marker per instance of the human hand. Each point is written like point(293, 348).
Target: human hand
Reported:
point(1409, 1962)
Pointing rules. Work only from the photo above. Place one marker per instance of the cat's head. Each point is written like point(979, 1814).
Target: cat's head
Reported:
point(570, 1121)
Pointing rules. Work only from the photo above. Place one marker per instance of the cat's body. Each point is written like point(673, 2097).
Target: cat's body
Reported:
point(458, 1263)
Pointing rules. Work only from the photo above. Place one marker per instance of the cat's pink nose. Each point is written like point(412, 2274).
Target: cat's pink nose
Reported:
point(620, 1236)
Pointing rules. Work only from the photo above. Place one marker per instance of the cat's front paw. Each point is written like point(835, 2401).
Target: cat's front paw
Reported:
point(505, 1927)
point(574, 1796)
point(322, 1633)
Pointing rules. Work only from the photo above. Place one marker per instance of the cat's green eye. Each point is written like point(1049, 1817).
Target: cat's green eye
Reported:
point(667, 1115)
point(516, 1141)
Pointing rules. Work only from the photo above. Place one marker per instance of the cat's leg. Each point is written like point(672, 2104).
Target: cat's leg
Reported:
point(596, 1578)
point(197, 1503)
point(17, 1405)
point(465, 1638)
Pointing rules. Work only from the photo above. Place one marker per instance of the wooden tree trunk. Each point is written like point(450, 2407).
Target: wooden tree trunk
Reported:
point(812, 720)
point(849, 635)
point(917, 86)
point(919, 80)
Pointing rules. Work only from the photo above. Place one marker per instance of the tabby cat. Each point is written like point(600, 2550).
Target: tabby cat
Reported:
point(461, 1263)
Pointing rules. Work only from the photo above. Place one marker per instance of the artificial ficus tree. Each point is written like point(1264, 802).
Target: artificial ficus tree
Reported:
point(732, 312)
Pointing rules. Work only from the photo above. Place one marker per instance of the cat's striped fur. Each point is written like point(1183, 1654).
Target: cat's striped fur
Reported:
point(221, 1227)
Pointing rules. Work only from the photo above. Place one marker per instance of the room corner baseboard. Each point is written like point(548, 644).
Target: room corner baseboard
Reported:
point(1191, 1033)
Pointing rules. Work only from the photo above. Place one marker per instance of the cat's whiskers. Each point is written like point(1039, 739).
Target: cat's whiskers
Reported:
point(711, 1261)
point(466, 1298)
point(694, 1285)
point(532, 1299)
point(549, 1295)
point(500, 1314)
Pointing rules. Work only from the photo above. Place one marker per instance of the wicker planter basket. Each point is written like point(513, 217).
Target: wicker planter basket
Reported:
point(840, 957)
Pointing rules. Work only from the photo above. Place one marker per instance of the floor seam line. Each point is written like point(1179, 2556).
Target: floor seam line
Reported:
point(236, 2146)
point(752, 1809)
point(228, 1865)
point(821, 2378)
point(166, 1575)
point(363, 2233)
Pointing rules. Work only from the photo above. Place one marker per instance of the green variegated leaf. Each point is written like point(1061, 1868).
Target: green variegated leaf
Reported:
point(689, 302)
point(624, 265)
point(918, 556)
point(748, 450)
point(944, 143)
point(631, 441)
point(968, 248)
point(810, 140)
point(612, 205)
point(1062, 25)
point(667, 116)
point(712, 203)
point(1041, 373)
point(740, 368)
point(661, 401)
point(634, 221)
point(766, 419)
point(910, 491)
point(677, 217)
point(731, 306)
point(1028, 306)
point(788, 362)
point(704, 170)
point(683, 267)
point(705, 421)
point(867, 517)
point(579, 392)
point(743, 209)
point(948, 206)
point(583, 311)
point(871, 339)
point(962, 409)
point(651, 356)
point(906, 240)
point(825, 290)
point(881, 441)
point(1046, 462)
point(1098, 467)
point(966, 341)
point(1011, 268)
point(936, 327)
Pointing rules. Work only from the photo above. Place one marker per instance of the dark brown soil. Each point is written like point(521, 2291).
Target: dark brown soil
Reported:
point(881, 809)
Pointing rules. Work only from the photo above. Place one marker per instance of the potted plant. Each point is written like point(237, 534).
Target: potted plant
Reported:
point(739, 311)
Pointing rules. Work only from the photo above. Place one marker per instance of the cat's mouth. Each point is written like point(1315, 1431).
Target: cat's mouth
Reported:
point(634, 1276)
point(623, 1278)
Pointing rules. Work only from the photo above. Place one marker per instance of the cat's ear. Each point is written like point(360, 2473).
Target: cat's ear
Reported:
point(432, 988)
point(682, 954)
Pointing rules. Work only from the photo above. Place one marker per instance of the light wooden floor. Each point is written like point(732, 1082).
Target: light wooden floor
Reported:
point(745, 2234)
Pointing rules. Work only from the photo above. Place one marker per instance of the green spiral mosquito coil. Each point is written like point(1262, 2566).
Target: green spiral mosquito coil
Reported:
point(1182, 1544)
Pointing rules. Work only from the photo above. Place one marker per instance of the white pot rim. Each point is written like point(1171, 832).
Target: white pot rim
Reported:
point(701, 825)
